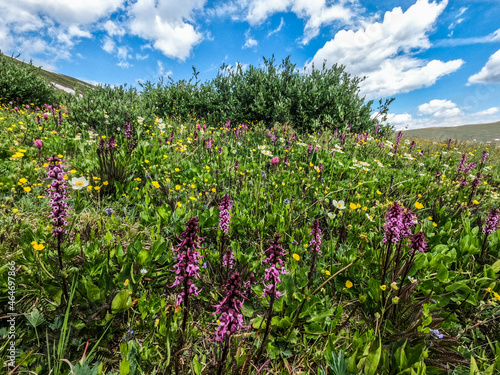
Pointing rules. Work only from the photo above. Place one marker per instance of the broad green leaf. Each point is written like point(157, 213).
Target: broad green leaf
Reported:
point(121, 302)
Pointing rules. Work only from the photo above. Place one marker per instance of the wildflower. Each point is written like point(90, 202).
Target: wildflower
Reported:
point(38, 143)
point(331, 215)
point(394, 285)
point(57, 195)
point(491, 223)
point(418, 242)
point(412, 279)
point(395, 300)
point(275, 160)
point(316, 240)
point(383, 287)
point(225, 206)
point(469, 167)
point(156, 184)
point(462, 163)
point(272, 274)
point(187, 261)
point(348, 284)
point(27, 189)
point(109, 211)
point(78, 183)
point(394, 225)
point(296, 257)
point(286, 201)
point(339, 204)
point(231, 319)
point(144, 271)
point(38, 246)
point(127, 281)
point(353, 206)
point(419, 205)
point(484, 156)
point(436, 333)
point(369, 217)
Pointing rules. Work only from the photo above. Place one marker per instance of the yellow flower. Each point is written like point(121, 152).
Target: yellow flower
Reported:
point(179, 204)
point(348, 284)
point(126, 282)
point(296, 257)
point(15, 210)
point(475, 201)
point(430, 218)
point(105, 183)
point(214, 190)
point(383, 287)
point(177, 187)
point(97, 188)
point(156, 184)
point(193, 186)
point(434, 224)
point(283, 183)
point(89, 187)
point(353, 206)
point(38, 246)
point(192, 198)
point(395, 300)
point(23, 180)
point(394, 286)
point(27, 189)
point(146, 161)
point(419, 205)
point(497, 296)
point(72, 171)
point(60, 156)
point(327, 273)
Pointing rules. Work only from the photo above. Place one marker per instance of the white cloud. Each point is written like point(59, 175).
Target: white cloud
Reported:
point(278, 29)
point(490, 73)
point(435, 106)
point(454, 42)
point(249, 41)
point(166, 25)
point(108, 45)
point(113, 29)
point(441, 113)
point(316, 13)
point(488, 112)
point(384, 51)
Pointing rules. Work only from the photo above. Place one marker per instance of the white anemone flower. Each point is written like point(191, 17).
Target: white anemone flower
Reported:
point(78, 183)
point(339, 204)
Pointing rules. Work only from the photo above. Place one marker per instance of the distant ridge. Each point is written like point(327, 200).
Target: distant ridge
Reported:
point(488, 133)
point(60, 82)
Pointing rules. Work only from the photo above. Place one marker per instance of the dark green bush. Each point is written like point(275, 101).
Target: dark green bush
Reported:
point(22, 84)
point(309, 101)
point(104, 108)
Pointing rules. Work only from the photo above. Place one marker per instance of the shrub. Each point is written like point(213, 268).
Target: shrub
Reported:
point(22, 84)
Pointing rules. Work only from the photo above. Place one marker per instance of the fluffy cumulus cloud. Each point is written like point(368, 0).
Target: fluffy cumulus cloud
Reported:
point(385, 52)
point(48, 28)
point(168, 25)
point(441, 112)
point(439, 108)
point(490, 73)
point(52, 29)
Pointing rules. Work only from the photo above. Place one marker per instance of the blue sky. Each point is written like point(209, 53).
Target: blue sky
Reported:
point(440, 59)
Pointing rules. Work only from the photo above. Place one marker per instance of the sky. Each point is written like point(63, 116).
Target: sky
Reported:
point(440, 59)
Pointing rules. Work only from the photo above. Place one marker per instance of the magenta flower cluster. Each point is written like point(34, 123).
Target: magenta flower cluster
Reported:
point(418, 243)
point(276, 268)
point(491, 223)
point(461, 165)
point(225, 207)
point(231, 319)
point(398, 224)
point(315, 243)
point(57, 195)
point(188, 258)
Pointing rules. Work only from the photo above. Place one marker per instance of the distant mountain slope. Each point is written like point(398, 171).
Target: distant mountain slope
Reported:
point(60, 81)
point(479, 133)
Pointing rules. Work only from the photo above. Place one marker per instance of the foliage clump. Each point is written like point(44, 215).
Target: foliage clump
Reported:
point(21, 83)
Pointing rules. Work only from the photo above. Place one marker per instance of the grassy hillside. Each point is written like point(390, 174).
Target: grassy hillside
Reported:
point(479, 132)
point(60, 81)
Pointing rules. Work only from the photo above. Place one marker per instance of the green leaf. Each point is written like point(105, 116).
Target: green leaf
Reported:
point(474, 370)
point(496, 266)
point(121, 302)
point(442, 274)
point(197, 366)
point(373, 360)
